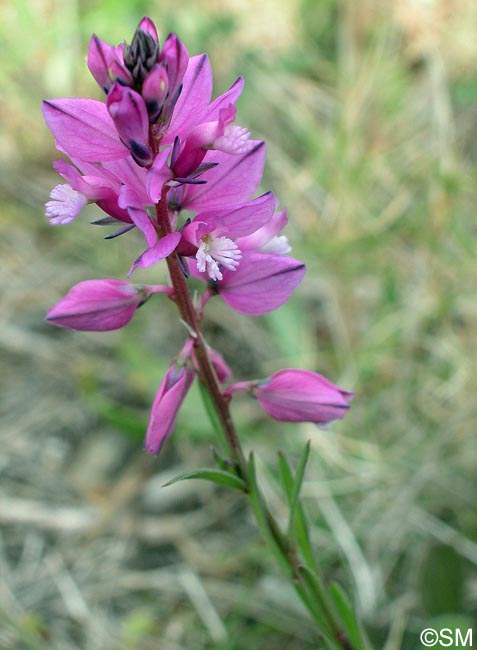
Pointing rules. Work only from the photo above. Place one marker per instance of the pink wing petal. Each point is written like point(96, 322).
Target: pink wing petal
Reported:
point(245, 219)
point(233, 181)
point(193, 100)
point(163, 248)
point(222, 101)
point(83, 128)
point(142, 220)
point(263, 282)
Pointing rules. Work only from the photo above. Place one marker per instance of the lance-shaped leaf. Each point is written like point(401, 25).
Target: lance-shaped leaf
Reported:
point(83, 128)
point(296, 489)
point(219, 476)
point(348, 617)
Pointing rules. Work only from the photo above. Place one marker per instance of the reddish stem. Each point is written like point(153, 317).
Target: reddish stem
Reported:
point(207, 373)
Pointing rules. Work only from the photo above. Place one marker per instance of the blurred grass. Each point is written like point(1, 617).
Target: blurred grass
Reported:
point(369, 112)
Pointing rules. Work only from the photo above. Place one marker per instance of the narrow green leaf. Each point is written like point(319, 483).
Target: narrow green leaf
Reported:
point(263, 520)
point(301, 526)
point(353, 630)
point(210, 409)
point(314, 590)
point(297, 483)
point(220, 460)
point(218, 476)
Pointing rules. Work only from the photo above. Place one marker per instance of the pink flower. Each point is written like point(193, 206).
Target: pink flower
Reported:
point(212, 234)
point(101, 305)
point(172, 392)
point(294, 395)
point(261, 283)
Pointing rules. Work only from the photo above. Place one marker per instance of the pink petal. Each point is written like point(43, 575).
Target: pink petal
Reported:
point(222, 101)
point(193, 100)
point(83, 128)
point(158, 175)
point(96, 305)
point(243, 220)
point(143, 221)
point(295, 395)
point(261, 237)
point(263, 282)
point(232, 182)
point(172, 392)
point(164, 247)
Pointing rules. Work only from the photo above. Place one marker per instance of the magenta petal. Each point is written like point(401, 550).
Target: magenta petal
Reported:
point(175, 58)
point(172, 392)
point(263, 282)
point(158, 175)
point(245, 219)
point(193, 100)
point(129, 113)
point(294, 395)
point(147, 26)
point(266, 233)
point(222, 101)
point(83, 128)
point(232, 182)
point(97, 305)
point(163, 248)
point(143, 221)
point(99, 60)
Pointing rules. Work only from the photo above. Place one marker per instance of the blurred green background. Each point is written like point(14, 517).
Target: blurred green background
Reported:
point(369, 111)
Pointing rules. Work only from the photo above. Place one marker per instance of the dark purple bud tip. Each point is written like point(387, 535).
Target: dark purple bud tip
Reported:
point(141, 56)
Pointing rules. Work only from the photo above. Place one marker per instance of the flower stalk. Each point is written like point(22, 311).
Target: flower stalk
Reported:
point(156, 148)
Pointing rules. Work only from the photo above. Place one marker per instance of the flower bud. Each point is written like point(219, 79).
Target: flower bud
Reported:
point(129, 113)
point(172, 392)
point(101, 305)
point(141, 56)
point(294, 395)
point(154, 91)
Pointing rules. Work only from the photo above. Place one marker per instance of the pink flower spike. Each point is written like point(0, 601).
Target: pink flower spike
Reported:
point(294, 395)
point(129, 113)
point(101, 305)
point(164, 247)
point(172, 392)
point(83, 128)
point(263, 282)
